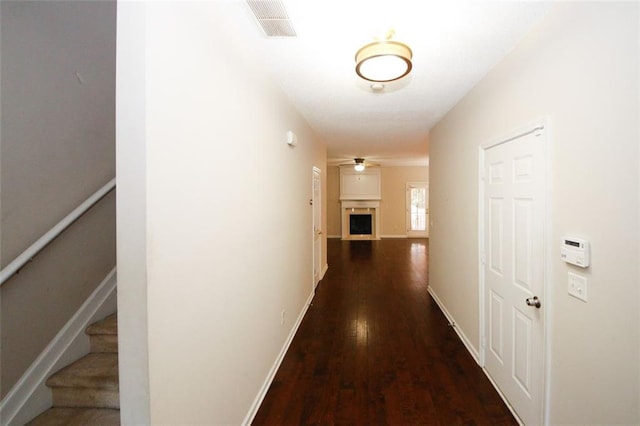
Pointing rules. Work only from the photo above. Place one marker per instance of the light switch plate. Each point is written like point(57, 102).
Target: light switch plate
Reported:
point(578, 286)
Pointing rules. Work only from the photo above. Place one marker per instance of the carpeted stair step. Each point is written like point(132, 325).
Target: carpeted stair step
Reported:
point(59, 416)
point(104, 335)
point(91, 381)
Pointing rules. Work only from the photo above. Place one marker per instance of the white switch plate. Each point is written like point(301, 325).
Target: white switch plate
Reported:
point(578, 286)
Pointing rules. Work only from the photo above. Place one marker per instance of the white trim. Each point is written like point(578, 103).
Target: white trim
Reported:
point(539, 124)
point(504, 399)
point(324, 271)
point(396, 236)
point(315, 171)
point(548, 259)
point(544, 124)
point(481, 257)
point(58, 229)
point(465, 340)
point(360, 204)
point(418, 234)
point(253, 410)
point(30, 396)
point(410, 232)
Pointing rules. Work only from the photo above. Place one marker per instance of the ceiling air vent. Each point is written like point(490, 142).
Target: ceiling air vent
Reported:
point(272, 17)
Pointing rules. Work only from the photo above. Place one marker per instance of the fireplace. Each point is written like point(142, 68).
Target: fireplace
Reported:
point(360, 224)
point(360, 220)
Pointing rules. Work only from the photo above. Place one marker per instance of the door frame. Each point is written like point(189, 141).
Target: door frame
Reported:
point(542, 124)
point(407, 201)
point(316, 171)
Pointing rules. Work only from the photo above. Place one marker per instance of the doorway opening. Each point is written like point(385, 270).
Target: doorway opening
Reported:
point(417, 209)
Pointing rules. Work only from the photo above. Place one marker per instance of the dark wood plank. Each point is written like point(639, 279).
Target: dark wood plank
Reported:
point(374, 348)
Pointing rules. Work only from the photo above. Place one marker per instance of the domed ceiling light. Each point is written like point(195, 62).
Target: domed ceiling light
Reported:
point(359, 166)
point(384, 60)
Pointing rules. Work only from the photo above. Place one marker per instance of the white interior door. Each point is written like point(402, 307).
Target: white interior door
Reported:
point(514, 270)
point(317, 226)
point(417, 209)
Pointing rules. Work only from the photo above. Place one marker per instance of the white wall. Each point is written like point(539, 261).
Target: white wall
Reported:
point(131, 214)
point(228, 221)
point(580, 68)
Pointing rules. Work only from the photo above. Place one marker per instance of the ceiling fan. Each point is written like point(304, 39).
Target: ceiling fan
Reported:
point(359, 164)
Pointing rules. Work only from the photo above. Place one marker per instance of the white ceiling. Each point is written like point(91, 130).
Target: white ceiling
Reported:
point(454, 45)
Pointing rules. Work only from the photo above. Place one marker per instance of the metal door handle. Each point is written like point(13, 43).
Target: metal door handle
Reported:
point(533, 301)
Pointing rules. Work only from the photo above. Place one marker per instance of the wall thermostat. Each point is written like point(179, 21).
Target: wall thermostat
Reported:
point(575, 251)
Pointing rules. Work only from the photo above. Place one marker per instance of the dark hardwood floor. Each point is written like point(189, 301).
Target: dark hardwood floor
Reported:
point(374, 348)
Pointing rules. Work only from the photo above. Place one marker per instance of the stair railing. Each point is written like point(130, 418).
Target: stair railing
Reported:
point(35, 248)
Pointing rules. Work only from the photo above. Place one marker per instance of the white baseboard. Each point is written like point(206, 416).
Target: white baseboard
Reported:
point(474, 353)
point(253, 410)
point(467, 343)
point(324, 270)
point(384, 236)
point(30, 396)
point(381, 236)
point(504, 398)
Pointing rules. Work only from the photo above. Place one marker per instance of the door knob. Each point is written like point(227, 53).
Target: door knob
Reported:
point(533, 301)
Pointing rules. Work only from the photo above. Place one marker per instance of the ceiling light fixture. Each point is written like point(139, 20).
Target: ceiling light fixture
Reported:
point(384, 60)
point(359, 167)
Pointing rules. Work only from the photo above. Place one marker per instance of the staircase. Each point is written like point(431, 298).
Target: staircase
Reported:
point(86, 391)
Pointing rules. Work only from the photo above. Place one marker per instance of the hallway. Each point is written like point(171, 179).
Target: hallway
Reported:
point(374, 348)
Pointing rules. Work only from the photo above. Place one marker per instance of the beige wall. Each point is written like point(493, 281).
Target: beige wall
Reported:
point(393, 208)
point(393, 203)
point(579, 68)
point(58, 132)
point(225, 248)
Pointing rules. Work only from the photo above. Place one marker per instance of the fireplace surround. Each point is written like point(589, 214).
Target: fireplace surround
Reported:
point(359, 210)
